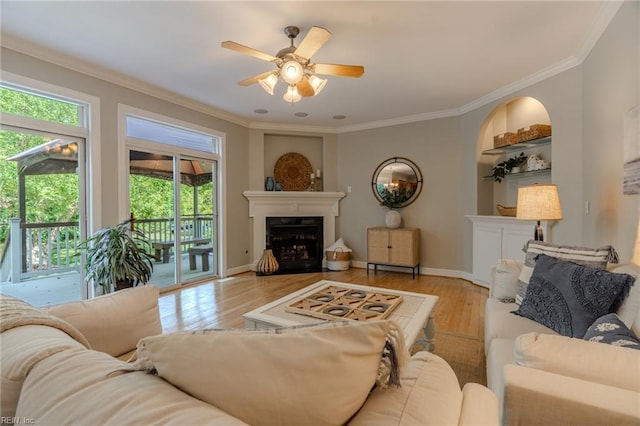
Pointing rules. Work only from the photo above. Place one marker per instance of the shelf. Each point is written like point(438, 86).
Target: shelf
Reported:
point(523, 174)
point(518, 146)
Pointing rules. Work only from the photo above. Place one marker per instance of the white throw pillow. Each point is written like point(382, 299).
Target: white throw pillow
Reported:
point(505, 280)
point(318, 375)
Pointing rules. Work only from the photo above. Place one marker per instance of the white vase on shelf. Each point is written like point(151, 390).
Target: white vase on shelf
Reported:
point(393, 219)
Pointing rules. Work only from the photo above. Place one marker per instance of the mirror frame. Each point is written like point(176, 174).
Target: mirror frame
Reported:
point(394, 160)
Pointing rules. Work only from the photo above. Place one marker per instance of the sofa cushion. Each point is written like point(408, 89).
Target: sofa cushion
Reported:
point(568, 298)
point(610, 330)
point(75, 387)
point(594, 362)
point(593, 258)
point(317, 375)
point(429, 395)
point(115, 322)
point(629, 312)
point(499, 322)
point(21, 348)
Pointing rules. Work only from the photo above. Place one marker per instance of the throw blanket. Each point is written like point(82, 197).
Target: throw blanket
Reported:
point(16, 313)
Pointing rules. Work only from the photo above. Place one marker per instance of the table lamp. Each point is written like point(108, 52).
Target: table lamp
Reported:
point(538, 202)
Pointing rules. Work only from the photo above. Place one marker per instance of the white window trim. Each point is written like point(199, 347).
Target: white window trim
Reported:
point(91, 133)
point(123, 187)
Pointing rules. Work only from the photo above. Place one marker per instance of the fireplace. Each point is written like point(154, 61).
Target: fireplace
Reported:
point(265, 204)
point(296, 242)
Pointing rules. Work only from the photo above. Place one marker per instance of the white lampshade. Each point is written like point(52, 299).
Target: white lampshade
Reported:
point(317, 83)
point(292, 95)
point(292, 72)
point(636, 250)
point(538, 202)
point(269, 83)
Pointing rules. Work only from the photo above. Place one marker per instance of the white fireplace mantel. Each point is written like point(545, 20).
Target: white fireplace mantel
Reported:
point(263, 204)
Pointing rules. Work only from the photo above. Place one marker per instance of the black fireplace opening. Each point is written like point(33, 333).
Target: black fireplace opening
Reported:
point(296, 242)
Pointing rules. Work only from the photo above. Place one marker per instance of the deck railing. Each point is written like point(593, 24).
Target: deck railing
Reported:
point(50, 248)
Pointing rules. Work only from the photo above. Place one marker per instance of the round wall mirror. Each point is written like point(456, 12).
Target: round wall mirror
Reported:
point(396, 182)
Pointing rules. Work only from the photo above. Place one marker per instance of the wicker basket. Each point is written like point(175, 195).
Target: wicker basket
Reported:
point(338, 260)
point(505, 139)
point(506, 211)
point(535, 131)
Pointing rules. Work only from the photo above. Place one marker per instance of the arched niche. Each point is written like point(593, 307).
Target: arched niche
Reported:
point(511, 115)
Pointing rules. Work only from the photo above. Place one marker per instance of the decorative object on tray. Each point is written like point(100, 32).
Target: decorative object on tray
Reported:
point(269, 185)
point(506, 211)
point(294, 171)
point(337, 303)
point(505, 139)
point(535, 162)
point(268, 264)
point(535, 131)
point(338, 256)
point(504, 168)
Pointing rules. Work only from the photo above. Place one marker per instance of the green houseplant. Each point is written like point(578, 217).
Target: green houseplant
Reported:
point(503, 168)
point(117, 257)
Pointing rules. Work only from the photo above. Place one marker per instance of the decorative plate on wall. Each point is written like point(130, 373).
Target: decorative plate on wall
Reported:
point(293, 170)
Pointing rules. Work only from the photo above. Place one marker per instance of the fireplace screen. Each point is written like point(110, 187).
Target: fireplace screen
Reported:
point(296, 242)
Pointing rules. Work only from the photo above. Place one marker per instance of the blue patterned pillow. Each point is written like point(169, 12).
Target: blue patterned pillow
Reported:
point(610, 330)
point(568, 298)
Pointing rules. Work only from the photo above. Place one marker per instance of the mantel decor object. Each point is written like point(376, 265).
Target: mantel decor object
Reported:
point(294, 171)
point(268, 264)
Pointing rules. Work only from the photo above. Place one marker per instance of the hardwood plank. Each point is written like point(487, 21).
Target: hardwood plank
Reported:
point(221, 303)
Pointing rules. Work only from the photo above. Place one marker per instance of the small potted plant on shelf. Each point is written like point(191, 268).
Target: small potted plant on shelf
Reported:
point(117, 257)
point(503, 168)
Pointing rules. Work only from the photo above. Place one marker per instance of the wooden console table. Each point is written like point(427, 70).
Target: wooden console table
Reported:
point(394, 247)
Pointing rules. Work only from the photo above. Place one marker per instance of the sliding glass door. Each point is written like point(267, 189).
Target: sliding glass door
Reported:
point(173, 197)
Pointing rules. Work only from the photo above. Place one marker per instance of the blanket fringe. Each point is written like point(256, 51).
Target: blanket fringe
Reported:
point(394, 357)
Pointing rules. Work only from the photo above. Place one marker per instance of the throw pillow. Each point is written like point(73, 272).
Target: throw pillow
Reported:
point(593, 258)
point(505, 280)
point(568, 298)
point(318, 375)
point(611, 330)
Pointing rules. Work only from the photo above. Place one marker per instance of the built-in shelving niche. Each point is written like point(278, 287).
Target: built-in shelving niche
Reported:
point(509, 117)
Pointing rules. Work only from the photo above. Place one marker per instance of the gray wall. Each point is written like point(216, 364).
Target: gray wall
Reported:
point(586, 105)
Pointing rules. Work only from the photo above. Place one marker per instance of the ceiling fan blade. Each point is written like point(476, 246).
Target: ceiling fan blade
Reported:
point(304, 88)
point(315, 38)
point(339, 70)
point(249, 81)
point(232, 45)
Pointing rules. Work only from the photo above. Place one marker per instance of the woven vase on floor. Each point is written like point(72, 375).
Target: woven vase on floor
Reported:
point(267, 264)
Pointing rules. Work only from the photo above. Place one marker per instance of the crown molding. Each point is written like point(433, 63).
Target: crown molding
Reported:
point(20, 45)
point(606, 13)
point(400, 120)
point(604, 16)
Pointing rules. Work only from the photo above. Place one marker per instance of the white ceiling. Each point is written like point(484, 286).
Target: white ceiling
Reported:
point(422, 59)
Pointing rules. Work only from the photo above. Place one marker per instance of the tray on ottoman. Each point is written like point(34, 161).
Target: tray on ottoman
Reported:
point(335, 303)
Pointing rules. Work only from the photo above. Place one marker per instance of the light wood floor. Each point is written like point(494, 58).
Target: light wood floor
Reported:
point(221, 303)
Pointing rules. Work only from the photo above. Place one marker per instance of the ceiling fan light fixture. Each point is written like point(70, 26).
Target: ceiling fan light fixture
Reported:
point(292, 95)
point(292, 71)
point(269, 83)
point(317, 83)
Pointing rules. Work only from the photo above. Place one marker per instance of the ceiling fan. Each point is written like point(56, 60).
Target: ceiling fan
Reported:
point(294, 65)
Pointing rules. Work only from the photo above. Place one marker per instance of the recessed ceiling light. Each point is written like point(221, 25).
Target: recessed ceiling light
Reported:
point(260, 111)
point(339, 117)
point(301, 114)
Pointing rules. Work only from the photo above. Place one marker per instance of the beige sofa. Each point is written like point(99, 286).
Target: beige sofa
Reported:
point(542, 378)
point(52, 378)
